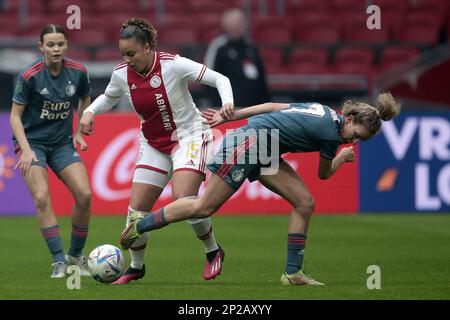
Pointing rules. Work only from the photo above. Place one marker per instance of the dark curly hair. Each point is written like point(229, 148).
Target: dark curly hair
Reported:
point(140, 29)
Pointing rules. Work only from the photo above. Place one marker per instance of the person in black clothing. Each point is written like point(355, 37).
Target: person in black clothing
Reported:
point(233, 55)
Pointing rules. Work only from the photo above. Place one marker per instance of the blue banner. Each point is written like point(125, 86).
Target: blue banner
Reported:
point(407, 166)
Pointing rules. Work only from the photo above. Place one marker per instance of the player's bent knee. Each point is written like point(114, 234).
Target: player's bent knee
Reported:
point(309, 205)
point(83, 199)
point(206, 210)
point(42, 201)
point(305, 205)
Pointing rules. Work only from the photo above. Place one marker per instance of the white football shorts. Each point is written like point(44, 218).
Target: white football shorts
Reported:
point(156, 168)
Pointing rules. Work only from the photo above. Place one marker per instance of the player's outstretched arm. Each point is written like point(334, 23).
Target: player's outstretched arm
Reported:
point(78, 138)
point(102, 104)
point(213, 117)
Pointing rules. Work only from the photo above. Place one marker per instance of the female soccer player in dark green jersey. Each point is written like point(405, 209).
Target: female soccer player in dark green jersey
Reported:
point(41, 119)
point(254, 151)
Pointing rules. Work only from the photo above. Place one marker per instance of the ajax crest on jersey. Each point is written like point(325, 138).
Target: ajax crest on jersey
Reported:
point(106, 263)
point(155, 81)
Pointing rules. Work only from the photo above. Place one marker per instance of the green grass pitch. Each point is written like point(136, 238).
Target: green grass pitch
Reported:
point(411, 250)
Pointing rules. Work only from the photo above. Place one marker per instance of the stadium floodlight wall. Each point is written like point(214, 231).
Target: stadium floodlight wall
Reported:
point(404, 168)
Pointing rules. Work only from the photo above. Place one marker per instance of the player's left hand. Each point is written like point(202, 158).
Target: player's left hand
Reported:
point(227, 111)
point(212, 117)
point(78, 140)
point(87, 123)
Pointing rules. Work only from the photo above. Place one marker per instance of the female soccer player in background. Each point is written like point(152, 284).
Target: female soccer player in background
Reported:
point(301, 127)
point(174, 143)
point(41, 120)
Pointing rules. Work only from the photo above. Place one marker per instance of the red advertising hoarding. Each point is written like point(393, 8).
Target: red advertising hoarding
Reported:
point(110, 161)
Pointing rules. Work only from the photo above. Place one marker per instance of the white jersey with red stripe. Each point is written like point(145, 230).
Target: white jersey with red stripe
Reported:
point(162, 99)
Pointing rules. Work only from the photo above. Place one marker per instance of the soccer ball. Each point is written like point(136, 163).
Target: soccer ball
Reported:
point(106, 263)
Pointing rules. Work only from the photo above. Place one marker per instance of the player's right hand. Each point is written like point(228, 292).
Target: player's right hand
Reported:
point(227, 111)
point(26, 159)
point(212, 117)
point(348, 154)
point(87, 123)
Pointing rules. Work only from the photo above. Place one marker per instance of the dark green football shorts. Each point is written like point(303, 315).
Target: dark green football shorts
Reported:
point(237, 158)
point(56, 157)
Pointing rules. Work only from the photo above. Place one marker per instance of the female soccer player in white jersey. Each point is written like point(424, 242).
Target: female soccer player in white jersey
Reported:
point(174, 143)
point(298, 127)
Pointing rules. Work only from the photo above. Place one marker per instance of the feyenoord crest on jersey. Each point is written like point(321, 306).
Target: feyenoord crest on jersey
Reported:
point(70, 89)
point(237, 175)
point(155, 81)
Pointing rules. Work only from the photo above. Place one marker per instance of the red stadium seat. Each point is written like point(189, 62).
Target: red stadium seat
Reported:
point(204, 20)
point(389, 5)
point(395, 55)
point(320, 34)
point(91, 38)
point(207, 35)
point(275, 68)
point(108, 54)
point(354, 68)
point(60, 6)
point(418, 35)
point(37, 7)
point(131, 7)
point(176, 21)
point(439, 7)
point(354, 25)
point(448, 28)
point(38, 21)
point(308, 61)
point(274, 35)
point(177, 36)
point(258, 21)
point(9, 34)
point(34, 7)
point(272, 60)
point(9, 22)
point(354, 60)
point(349, 6)
point(206, 25)
point(175, 6)
point(198, 6)
point(256, 8)
point(172, 49)
point(10, 7)
point(391, 21)
point(356, 31)
point(423, 18)
point(317, 29)
point(31, 34)
point(78, 55)
point(115, 20)
point(311, 18)
point(307, 7)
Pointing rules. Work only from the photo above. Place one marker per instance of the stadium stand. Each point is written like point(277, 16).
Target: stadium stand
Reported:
point(393, 55)
point(308, 61)
point(296, 37)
